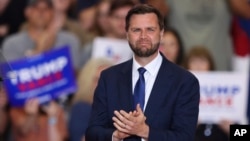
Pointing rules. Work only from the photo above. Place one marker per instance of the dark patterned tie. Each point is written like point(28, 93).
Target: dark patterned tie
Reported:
point(139, 91)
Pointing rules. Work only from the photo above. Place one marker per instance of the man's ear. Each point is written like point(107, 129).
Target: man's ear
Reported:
point(161, 34)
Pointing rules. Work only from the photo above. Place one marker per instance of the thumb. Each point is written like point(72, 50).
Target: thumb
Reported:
point(138, 108)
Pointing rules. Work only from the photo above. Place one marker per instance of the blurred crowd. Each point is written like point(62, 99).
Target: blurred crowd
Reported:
point(200, 35)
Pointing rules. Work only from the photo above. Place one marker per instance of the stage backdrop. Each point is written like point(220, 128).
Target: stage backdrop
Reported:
point(224, 95)
point(45, 76)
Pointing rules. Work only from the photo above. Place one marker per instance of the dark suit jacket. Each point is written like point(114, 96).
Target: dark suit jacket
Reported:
point(172, 108)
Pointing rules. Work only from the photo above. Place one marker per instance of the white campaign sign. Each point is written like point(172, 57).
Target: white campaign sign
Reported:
point(223, 95)
point(116, 50)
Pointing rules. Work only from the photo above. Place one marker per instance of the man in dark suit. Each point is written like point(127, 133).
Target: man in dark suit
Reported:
point(168, 105)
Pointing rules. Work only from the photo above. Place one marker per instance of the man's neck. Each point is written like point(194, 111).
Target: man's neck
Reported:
point(35, 32)
point(143, 61)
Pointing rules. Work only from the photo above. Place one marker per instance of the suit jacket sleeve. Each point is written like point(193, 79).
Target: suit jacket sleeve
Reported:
point(100, 126)
point(185, 114)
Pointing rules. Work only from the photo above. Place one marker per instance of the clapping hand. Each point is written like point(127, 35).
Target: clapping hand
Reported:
point(132, 123)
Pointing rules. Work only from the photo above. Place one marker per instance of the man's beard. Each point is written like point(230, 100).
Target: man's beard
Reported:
point(141, 53)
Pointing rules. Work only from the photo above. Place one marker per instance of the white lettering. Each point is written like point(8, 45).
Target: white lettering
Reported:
point(24, 75)
point(37, 72)
point(239, 132)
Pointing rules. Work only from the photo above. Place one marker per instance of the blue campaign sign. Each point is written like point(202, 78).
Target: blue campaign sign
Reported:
point(45, 76)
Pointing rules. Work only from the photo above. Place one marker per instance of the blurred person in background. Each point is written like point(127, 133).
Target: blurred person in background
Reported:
point(159, 4)
point(117, 12)
point(102, 17)
point(241, 39)
point(200, 59)
point(4, 116)
point(172, 47)
point(86, 16)
point(241, 34)
point(61, 9)
point(68, 24)
point(204, 22)
point(3, 26)
point(81, 106)
point(35, 122)
point(41, 35)
point(11, 17)
point(63, 21)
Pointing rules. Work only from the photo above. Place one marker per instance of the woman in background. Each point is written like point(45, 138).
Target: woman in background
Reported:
point(171, 46)
point(200, 59)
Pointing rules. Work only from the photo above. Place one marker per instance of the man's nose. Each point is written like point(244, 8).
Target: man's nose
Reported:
point(143, 34)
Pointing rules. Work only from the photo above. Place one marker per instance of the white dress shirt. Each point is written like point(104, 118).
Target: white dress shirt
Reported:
point(150, 75)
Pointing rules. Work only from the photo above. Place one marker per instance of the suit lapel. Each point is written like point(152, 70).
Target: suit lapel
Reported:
point(159, 90)
point(125, 87)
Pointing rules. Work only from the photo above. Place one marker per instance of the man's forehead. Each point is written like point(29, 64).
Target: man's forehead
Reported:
point(144, 18)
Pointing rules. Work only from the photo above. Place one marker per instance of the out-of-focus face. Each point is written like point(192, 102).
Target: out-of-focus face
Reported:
point(40, 15)
point(117, 22)
point(198, 64)
point(87, 18)
point(61, 5)
point(102, 16)
point(3, 4)
point(144, 34)
point(169, 46)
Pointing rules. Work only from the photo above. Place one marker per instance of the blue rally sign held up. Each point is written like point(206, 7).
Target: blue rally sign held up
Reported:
point(45, 76)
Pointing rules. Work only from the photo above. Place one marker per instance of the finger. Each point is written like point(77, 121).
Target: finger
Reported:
point(121, 129)
point(138, 108)
point(29, 103)
point(33, 102)
point(52, 105)
point(118, 127)
point(140, 112)
point(129, 126)
point(125, 114)
point(118, 122)
point(122, 124)
point(128, 118)
point(119, 116)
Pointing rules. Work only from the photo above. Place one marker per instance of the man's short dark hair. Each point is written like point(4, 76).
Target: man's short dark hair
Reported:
point(144, 9)
point(34, 2)
point(116, 4)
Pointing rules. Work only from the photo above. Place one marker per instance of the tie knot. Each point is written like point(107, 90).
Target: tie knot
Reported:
point(141, 70)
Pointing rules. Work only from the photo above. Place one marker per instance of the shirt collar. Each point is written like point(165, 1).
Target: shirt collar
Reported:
point(152, 67)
